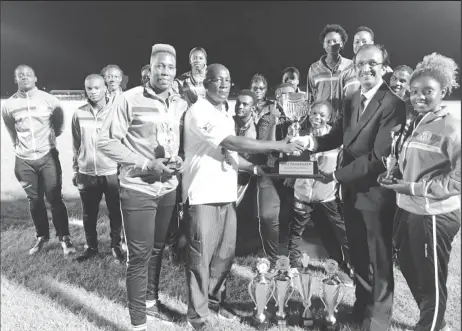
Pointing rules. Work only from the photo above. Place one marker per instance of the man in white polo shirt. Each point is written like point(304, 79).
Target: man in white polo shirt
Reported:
point(210, 193)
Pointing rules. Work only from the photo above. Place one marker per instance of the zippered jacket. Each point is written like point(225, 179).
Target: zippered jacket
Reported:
point(142, 127)
point(325, 84)
point(88, 159)
point(430, 161)
point(33, 119)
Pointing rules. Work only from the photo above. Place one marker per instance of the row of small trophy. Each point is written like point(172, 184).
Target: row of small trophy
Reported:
point(282, 286)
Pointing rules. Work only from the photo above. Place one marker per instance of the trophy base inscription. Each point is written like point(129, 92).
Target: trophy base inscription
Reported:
point(295, 166)
point(281, 322)
point(387, 180)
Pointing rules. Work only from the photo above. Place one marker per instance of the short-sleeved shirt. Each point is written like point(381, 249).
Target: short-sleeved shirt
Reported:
point(325, 84)
point(210, 174)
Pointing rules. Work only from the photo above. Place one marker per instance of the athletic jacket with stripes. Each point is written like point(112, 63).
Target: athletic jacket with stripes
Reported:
point(141, 127)
point(86, 125)
point(324, 84)
point(33, 119)
point(430, 161)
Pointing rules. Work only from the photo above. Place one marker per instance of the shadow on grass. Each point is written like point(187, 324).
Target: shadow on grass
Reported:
point(79, 307)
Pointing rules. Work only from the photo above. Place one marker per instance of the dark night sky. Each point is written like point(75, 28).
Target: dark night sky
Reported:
point(65, 41)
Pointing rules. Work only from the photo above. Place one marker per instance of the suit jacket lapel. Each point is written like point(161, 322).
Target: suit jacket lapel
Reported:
point(370, 110)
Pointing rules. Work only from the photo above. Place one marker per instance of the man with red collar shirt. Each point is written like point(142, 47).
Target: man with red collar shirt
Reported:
point(332, 78)
point(34, 119)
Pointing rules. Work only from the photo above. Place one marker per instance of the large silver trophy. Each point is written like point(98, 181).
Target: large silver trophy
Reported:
point(303, 284)
point(261, 289)
point(283, 289)
point(331, 293)
point(296, 108)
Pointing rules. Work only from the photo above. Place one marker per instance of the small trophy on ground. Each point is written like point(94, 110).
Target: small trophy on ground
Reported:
point(261, 289)
point(303, 284)
point(283, 289)
point(331, 293)
point(391, 160)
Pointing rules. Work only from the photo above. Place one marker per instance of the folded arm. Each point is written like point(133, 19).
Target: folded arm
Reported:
point(114, 130)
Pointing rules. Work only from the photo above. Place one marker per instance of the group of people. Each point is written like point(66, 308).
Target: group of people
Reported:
point(174, 141)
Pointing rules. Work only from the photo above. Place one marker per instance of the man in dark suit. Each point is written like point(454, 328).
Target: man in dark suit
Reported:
point(364, 130)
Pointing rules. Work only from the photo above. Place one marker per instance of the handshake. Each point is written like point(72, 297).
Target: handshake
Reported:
point(305, 143)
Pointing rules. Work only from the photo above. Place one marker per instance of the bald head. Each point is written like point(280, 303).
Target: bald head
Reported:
point(215, 70)
point(217, 82)
point(94, 77)
point(95, 88)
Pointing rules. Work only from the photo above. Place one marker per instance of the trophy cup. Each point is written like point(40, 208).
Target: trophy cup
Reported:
point(261, 290)
point(296, 108)
point(331, 293)
point(391, 160)
point(302, 282)
point(283, 289)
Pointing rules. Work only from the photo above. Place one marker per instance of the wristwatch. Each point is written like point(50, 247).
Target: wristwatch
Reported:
point(255, 170)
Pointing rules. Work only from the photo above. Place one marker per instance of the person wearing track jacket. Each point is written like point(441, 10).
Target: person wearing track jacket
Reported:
point(428, 190)
point(34, 119)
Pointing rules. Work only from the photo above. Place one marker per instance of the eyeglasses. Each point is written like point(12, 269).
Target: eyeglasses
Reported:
point(261, 88)
point(371, 64)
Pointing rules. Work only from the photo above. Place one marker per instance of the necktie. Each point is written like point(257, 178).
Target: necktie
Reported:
point(361, 107)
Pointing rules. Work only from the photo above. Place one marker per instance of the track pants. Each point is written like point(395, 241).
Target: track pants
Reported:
point(423, 243)
point(146, 220)
point(44, 177)
point(91, 189)
point(328, 220)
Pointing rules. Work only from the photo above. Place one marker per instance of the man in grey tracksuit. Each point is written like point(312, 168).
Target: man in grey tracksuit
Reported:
point(94, 173)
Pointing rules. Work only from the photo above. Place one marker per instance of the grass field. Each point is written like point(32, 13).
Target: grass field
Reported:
point(49, 292)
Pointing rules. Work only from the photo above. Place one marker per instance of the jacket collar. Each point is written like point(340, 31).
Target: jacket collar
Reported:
point(30, 93)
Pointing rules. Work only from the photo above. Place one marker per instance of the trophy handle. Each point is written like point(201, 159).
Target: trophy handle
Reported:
point(289, 296)
point(321, 295)
point(340, 298)
point(249, 288)
point(272, 292)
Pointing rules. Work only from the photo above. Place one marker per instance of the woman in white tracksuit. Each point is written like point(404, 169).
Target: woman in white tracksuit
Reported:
point(428, 195)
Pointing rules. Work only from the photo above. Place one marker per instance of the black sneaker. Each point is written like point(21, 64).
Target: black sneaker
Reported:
point(118, 255)
point(224, 312)
point(87, 254)
point(159, 311)
point(38, 245)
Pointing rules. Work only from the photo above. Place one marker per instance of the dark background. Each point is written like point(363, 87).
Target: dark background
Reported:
point(66, 41)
